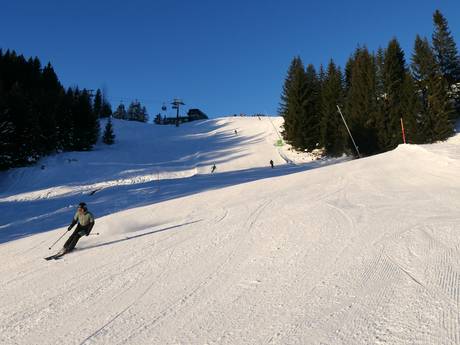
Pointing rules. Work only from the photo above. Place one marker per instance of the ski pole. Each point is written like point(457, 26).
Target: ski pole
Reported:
point(57, 240)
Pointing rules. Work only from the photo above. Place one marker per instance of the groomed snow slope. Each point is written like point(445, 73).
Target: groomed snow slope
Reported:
point(148, 164)
point(364, 252)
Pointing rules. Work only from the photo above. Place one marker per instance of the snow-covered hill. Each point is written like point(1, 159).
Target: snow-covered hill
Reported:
point(148, 164)
point(363, 252)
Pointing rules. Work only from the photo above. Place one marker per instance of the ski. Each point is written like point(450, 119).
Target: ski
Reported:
point(56, 256)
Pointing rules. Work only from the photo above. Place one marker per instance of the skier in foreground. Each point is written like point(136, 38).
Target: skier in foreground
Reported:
point(85, 220)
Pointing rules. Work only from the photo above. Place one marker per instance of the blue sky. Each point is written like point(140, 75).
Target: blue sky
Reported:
point(223, 57)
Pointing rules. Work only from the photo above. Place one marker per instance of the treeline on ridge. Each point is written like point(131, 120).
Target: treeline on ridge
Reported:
point(375, 91)
point(38, 116)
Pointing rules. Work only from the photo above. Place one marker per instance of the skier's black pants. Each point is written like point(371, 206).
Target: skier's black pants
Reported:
point(70, 244)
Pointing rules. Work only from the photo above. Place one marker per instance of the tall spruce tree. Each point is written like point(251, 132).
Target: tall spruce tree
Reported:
point(47, 104)
point(65, 121)
point(347, 74)
point(412, 107)
point(433, 88)
point(106, 110)
point(379, 73)
point(86, 123)
point(361, 105)
point(445, 49)
point(97, 106)
point(441, 106)
point(310, 122)
point(333, 132)
point(447, 57)
point(26, 145)
point(321, 74)
point(321, 77)
point(144, 114)
point(393, 76)
point(379, 60)
point(7, 130)
point(292, 106)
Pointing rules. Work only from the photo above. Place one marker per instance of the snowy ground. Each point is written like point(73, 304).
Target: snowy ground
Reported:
point(148, 164)
point(363, 252)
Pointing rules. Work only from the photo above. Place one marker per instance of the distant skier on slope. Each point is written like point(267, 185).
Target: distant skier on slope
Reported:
point(272, 164)
point(213, 168)
point(85, 220)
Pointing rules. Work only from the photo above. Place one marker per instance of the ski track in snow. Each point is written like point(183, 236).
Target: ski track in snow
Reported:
point(365, 252)
point(179, 303)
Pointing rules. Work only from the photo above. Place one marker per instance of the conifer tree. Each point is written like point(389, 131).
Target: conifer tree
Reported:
point(380, 87)
point(347, 74)
point(445, 49)
point(144, 114)
point(120, 113)
point(7, 131)
point(442, 109)
point(321, 74)
point(78, 130)
point(333, 135)
point(379, 70)
point(393, 76)
point(65, 121)
point(447, 57)
point(6, 139)
point(106, 110)
point(436, 107)
point(108, 137)
point(361, 105)
point(321, 80)
point(98, 103)
point(293, 98)
point(310, 121)
point(86, 123)
point(46, 102)
point(26, 148)
point(412, 106)
point(37, 116)
point(136, 112)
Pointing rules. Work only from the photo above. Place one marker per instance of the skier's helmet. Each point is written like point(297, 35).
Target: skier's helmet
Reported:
point(82, 205)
